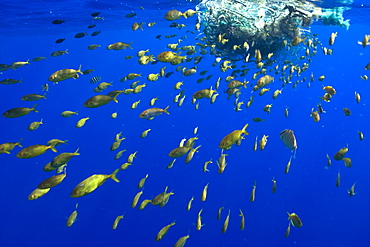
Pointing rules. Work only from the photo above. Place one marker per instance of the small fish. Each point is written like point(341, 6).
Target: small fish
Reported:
point(95, 33)
point(219, 213)
point(58, 41)
point(80, 35)
point(255, 147)
point(332, 38)
point(329, 160)
point(206, 165)
point(257, 119)
point(263, 142)
point(347, 162)
point(347, 112)
point(130, 15)
point(95, 14)
point(351, 191)
point(341, 153)
point(360, 135)
point(337, 183)
point(204, 193)
point(58, 21)
point(116, 221)
point(357, 97)
point(226, 223)
point(253, 193)
point(181, 242)
point(163, 231)
point(170, 165)
point(242, 221)
point(199, 225)
point(294, 220)
point(72, 218)
point(287, 232)
point(190, 203)
point(287, 168)
point(273, 185)
point(136, 199)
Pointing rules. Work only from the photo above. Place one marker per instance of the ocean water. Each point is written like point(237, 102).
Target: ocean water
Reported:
point(330, 216)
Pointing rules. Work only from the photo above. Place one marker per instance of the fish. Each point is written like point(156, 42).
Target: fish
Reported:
point(273, 185)
point(19, 112)
point(289, 140)
point(204, 193)
point(199, 225)
point(181, 242)
point(95, 33)
point(33, 97)
point(232, 138)
point(34, 150)
point(116, 221)
point(91, 183)
point(153, 112)
point(242, 221)
point(72, 218)
point(58, 41)
point(136, 199)
point(337, 183)
point(37, 193)
point(351, 191)
point(287, 168)
point(253, 193)
point(341, 153)
point(287, 232)
point(130, 15)
point(80, 35)
point(190, 203)
point(163, 231)
point(226, 223)
point(294, 220)
point(58, 22)
point(52, 181)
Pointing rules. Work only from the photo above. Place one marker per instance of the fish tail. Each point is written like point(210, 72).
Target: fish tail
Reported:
point(34, 108)
point(165, 110)
point(53, 148)
point(294, 152)
point(244, 130)
point(113, 175)
point(79, 69)
point(115, 97)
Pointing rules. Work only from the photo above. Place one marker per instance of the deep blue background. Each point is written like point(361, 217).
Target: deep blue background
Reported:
point(330, 217)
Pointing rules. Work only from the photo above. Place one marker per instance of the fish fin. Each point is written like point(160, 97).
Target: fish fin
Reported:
point(294, 152)
point(79, 70)
point(34, 108)
point(165, 110)
point(244, 130)
point(113, 175)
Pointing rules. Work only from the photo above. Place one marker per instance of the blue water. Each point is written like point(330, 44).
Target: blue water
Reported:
point(330, 217)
